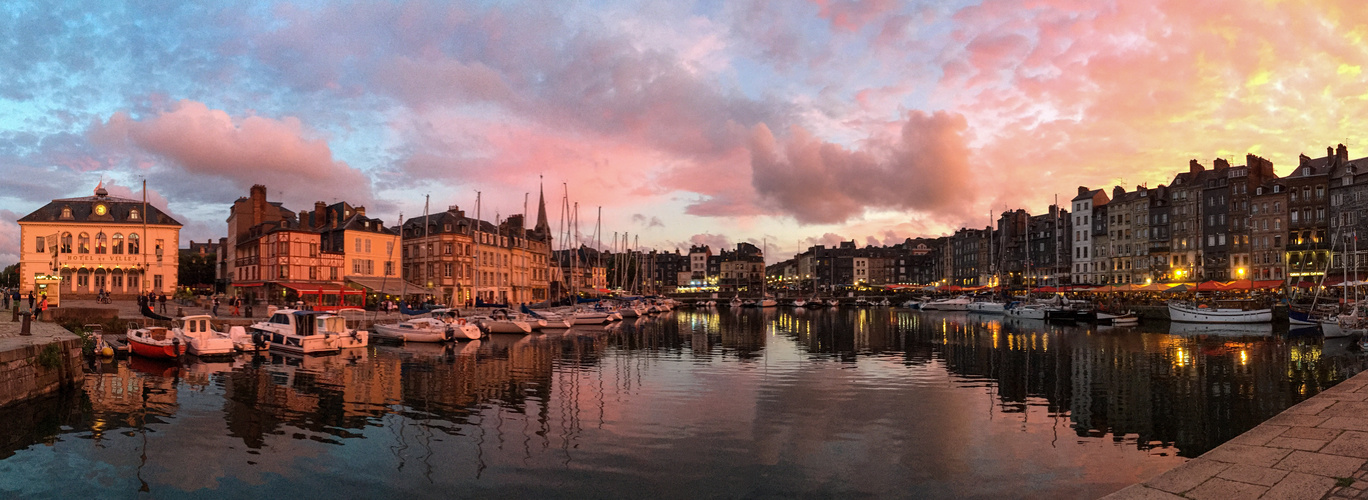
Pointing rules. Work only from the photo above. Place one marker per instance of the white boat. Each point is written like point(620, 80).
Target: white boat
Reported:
point(955, 304)
point(502, 321)
point(1026, 311)
point(552, 320)
point(200, 337)
point(800, 303)
point(987, 307)
point(155, 342)
point(736, 302)
point(1124, 319)
point(336, 329)
point(294, 331)
point(766, 302)
point(1188, 313)
point(432, 329)
point(833, 303)
point(862, 302)
point(885, 303)
point(914, 304)
point(589, 317)
point(247, 342)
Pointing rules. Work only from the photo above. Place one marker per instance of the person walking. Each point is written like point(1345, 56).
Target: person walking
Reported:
point(161, 301)
point(234, 302)
point(216, 304)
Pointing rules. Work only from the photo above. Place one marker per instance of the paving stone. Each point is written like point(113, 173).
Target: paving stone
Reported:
point(1351, 443)
point(1187, 476)
point(1311, 433)
point(1218, 489)
point(1320, 463)
point(1297, 443)
point(1359, 395)
point(1260, 435)
point(1346, 409)
point(1315, 405)
point(1141, 492)
point(1301, 486)
point(1346, 423)
point(1253, 474)
point(1292, 420)
point(1244, 454)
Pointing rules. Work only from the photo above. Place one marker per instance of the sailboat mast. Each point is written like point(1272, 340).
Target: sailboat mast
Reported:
point(477, 234)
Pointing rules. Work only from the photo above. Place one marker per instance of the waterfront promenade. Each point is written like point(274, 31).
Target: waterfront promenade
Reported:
point(1316, 449)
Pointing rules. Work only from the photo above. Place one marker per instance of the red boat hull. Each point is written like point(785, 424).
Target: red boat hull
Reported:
point(155, 351)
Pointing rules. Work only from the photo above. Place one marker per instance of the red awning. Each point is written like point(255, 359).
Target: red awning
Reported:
point(1268, 284)
point(250, 284)
point(1210, 286)
point(321, 289)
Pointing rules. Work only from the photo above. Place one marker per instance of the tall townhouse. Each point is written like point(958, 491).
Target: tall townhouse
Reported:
point(1082, 257)
point(1216, 222)
point(1159, 234)
point(1308, 242)
point(369, 249)
point(1267, 230)
point(1185, 245)
point(1348, 222)
point(1126, 217)
point(1009, 255)
point(1047, 235)
point(969, 250)
point(1244, 181)
point(438, 251)
point(1101, 268)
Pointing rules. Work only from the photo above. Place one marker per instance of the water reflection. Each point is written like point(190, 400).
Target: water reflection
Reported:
point(737, 403)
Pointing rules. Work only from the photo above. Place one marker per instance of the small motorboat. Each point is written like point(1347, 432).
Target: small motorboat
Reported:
point(502, 321)
point(799, 303)
point(155, 342)
point(201, 338)
point(1124, 319)
point(295, 331)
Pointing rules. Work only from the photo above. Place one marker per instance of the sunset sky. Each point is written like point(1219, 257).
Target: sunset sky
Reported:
point(705, 121)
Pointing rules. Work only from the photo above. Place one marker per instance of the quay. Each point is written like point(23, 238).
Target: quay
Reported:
point(1316, 449)
point(42, 363)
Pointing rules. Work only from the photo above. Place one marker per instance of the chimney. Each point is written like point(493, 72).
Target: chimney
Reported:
point(361, 211)
point(1194, 167)
point(1220, 164)
point(1118, 192)
point(1302, 159)
point(1342, 152)
point(1082, 190)
point(1329, 151)
point(320, 214)
point(258, 197)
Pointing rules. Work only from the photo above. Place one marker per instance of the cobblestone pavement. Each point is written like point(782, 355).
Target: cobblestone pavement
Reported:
point(1316, 449)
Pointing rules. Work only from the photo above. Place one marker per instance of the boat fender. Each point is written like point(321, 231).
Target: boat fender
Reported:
point(176, 346)
point(461, 321)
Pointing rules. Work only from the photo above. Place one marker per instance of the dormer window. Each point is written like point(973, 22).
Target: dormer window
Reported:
point(66, 212)
point(133, 214)
point(1306, 171)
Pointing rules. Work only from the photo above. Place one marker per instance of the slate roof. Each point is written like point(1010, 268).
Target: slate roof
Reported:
point(83, 211)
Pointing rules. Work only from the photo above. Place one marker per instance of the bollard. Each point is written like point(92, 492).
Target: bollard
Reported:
point(26, 327)
point(180, 313)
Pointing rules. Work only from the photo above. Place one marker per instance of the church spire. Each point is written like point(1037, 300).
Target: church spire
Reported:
point(543, 226)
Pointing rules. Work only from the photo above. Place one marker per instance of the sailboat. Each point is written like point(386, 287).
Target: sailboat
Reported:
point(765, 300)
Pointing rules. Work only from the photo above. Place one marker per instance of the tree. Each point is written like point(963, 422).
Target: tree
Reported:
point(196, 269)
point(10, 276)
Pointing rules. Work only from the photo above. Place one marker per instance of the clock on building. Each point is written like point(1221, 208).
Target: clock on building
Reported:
point(100, 210)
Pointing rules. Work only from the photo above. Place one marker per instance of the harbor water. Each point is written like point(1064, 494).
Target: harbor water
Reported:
point(763, 403)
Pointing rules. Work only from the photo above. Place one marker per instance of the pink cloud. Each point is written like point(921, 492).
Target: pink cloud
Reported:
point(193, 140)
point(923, 168)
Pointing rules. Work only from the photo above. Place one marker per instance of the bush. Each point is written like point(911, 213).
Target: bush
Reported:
point(50, 357)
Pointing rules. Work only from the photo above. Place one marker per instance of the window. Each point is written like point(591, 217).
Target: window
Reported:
point(66, 212)
point(368, 245)
point(38, 245)
point(358, 244)
point(1320, 192)
point(132, 215)
point(284, 272)
point(157, 281)
point(313, 273)
point(83, 243)
point(389, 268)
point(101, 243)
point(117, 247)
